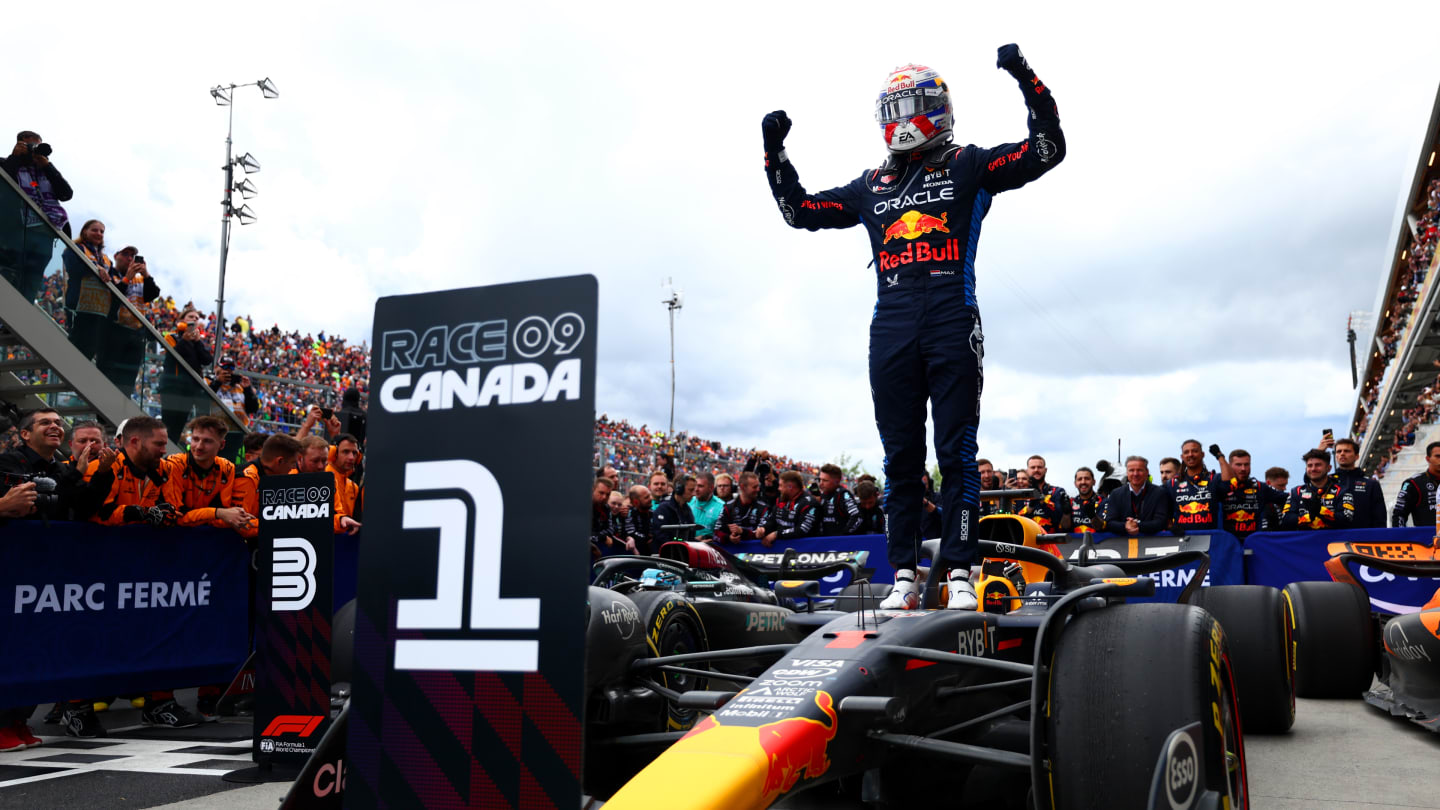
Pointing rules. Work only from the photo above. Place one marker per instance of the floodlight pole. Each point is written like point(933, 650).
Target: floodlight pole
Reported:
point(672, 303)
point(225, 232)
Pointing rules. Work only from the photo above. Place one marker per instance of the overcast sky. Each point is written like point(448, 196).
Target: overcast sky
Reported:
point(1227, 199)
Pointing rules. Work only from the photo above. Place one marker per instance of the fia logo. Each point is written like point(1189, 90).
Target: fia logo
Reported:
point(292, 574)
point(459, 538)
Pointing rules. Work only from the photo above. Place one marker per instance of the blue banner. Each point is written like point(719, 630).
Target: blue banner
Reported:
point(1280, 558)
point(96, 610)
point(816, 548)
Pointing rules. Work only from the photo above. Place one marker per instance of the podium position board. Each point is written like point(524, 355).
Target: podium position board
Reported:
point(292, 634)
point(468, 688)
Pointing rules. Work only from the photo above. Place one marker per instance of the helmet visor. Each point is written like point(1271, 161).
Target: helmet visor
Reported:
point(903, 105)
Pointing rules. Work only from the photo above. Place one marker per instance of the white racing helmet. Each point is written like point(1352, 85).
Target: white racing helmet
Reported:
point(914, 109)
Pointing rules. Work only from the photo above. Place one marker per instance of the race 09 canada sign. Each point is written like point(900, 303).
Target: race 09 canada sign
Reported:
point(468, 688)
point(292, 634)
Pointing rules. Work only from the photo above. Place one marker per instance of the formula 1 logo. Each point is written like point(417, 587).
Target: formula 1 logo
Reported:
point(292, 574)
point(470, 527)
point(302, 725)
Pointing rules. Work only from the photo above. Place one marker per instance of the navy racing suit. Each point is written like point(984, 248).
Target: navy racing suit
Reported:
point(923, 213)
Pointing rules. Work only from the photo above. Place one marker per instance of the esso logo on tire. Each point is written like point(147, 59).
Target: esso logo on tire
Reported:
point(1182, 775)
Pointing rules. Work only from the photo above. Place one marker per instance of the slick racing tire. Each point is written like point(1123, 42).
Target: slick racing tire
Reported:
point(673, 627)
point(1334, 639)
point(1260, 629)
point(1122, 679)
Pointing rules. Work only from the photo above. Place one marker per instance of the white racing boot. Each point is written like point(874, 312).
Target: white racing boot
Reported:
point(906, 593)
point(962, 593)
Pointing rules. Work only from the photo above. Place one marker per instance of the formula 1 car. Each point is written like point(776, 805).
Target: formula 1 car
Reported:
point(1072, 698)
point(1344, 645)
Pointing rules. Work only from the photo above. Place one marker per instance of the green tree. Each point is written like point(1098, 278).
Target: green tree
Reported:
point(935, 476)
point(852, 468)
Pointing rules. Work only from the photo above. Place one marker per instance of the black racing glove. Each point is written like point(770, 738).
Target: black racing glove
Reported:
point(162, 514)
point(774, 128)
point(1010, 60)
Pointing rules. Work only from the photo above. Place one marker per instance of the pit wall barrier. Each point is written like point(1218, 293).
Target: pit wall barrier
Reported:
point(82, 616)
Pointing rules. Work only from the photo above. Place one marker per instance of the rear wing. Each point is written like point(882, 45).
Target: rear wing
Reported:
point(1401, 559)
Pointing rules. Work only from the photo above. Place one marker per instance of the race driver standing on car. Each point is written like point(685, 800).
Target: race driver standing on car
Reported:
point(923, 208)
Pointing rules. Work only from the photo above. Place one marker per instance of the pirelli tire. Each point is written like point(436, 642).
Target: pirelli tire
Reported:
point(673, 627)
point(1259, 626)
point(1334, 639)
point(1122, 679)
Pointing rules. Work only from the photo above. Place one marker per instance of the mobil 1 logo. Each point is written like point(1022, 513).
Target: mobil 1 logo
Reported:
point(475, 565)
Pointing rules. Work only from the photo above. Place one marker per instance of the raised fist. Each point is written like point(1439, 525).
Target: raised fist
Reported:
point(1011, 60)
point(774, 128)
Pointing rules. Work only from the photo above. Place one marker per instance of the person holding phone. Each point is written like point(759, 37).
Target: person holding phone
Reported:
point(236, 391)
point(180, 393)
point(123, 350)
point(1358, 490)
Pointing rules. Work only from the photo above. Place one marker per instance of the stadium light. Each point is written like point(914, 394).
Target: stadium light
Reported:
point(224, 95)
point(673, 303)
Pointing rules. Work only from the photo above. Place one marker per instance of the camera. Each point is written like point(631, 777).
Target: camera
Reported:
point(41, 149)
point(138, 259)
point(327, 413)
point(45, 496)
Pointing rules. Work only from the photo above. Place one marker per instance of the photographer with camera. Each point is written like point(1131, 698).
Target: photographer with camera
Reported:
point(124, 347)
point(323, 416)
point(39, 462)
point(28, 244)
point(179, 393)
point(235, 391)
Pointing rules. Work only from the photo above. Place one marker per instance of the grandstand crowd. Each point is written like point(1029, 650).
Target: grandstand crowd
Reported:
point(1398, 317)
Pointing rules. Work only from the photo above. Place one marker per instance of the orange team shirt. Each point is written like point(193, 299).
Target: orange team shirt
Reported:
point(198, 493)
point(124, 486)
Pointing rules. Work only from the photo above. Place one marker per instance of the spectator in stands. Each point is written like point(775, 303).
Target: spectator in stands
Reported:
point(123, 351)
point(1169, 468)
point(1275, 478)
point(88, 301)
point(251, 445)
point(180, 394)
point(744, 517)
point(1318, 502)
point(725, 487)
point(1247, 501)
point(1050, 506)
point(131, 489)
point(200, 484)
point(872, 516)
point(26, 244)
point(837, 512)
point(675, 511)
point(277, 457)
point(705, 507)
point(1198, 492)
point(1359, 490)
point(1416, 501)
point(1140, 507)
point(659, 485)
point(608, 471)
point(638, 523)
point(235, 391)
point(1086, 509)
point(42, 431)
point(794, 514)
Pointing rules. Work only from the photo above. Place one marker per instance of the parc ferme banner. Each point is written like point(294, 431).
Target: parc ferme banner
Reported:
point(93, 609)
point(468, 686)
point(292, 616)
